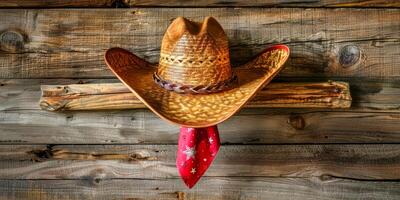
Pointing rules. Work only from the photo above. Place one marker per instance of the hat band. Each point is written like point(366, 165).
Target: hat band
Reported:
point(194, 89)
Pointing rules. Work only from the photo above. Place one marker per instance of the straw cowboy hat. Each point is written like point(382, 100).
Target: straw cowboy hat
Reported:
point(194, 85)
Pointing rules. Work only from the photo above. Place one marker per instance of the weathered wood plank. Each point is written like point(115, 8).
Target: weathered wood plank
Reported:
point(366, 162)
point(70, 43)
point(214, 188)
point(249, 126)
point(368, 95)
point(24, 94)
point(108, 96)
point(373, 119)
point(57, 3)
point(198, 3)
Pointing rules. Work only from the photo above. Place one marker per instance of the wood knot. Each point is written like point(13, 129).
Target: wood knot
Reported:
point(39, 155)
point(180, 195)
point(349, 55)
point(326, 177)
point(69, 117)
point(11, 41)
point(120, 4)
point(97, 180)
point(297, 122)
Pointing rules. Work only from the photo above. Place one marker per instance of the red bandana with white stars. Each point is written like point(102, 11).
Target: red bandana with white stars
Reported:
point(197, 148)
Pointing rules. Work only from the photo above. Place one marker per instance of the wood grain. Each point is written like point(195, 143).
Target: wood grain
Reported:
point(198, 3)
point(211, 188)
point(373, 118)
point(57, 3)
point(70, 43)
point(117, 96)
point(363, 162)
point(367, 94)
point(248, 127)
point(47, 155)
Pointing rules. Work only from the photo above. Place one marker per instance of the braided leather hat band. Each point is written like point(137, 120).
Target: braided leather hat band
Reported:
point(194, 89)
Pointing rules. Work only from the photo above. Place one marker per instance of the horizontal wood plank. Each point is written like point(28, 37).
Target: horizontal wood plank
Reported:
point(108, 96)
point(325, 43)
point(364, 162)
point(70, 43)
point(210, 188)
point(373, 118)
point(198, 3)
point(58, 3)
point(249, 127)
point(368, 95)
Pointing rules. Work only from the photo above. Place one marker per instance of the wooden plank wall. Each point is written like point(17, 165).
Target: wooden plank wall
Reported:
point(266, 154)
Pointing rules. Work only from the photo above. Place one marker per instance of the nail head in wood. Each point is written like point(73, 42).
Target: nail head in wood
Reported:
point(11, 41)
point(349, 55)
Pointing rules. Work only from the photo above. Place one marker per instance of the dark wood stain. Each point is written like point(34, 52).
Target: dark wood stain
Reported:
point(41, 155)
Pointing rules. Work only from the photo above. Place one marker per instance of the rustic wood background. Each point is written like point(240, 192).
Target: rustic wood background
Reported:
point(266, 154)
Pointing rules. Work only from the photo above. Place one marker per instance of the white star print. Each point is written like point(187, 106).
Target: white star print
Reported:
point(210, 140)
point(190, 152)
point(193, 170)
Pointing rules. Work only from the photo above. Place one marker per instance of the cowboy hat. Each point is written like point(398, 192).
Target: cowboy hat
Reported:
point(194, 85)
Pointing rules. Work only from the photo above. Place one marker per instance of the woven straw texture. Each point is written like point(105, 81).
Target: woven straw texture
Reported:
point(194, 54)
point(199, 110)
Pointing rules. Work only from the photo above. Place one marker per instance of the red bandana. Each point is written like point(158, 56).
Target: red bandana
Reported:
point(197, 148)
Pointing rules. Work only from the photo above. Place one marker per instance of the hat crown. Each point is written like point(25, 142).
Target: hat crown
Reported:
point(194, 54)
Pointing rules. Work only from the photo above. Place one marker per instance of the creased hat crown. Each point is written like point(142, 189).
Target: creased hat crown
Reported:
point(195, 54)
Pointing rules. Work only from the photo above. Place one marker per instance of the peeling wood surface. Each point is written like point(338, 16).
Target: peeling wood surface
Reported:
point(198, 3)
point(362, 162)
point(70, 43)
point(109, 96)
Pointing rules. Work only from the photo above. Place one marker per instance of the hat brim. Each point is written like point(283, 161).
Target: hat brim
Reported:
point(196, 110)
